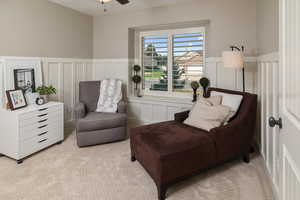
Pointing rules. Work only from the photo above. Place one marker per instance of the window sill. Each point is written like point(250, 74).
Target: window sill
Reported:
point(161, 99)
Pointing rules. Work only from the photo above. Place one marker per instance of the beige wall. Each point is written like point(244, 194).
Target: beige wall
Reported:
point(231, 22)
point(267, 26)
point(40, 28)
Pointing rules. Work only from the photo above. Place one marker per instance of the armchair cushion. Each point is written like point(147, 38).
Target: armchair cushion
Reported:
point(99, 121)
point(80, 111)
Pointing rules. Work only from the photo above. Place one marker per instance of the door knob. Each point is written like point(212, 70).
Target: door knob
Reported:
point(273, 122)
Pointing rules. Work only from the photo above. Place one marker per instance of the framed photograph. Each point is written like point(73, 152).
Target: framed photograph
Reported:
point(24, 80)
point(16, 99)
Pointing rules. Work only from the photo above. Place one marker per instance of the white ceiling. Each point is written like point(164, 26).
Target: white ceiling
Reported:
point(93, 7)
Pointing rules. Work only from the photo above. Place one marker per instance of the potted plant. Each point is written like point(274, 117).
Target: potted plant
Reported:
point(204, 82)
point(45, 92)
point(195, 85)
point(137, 79)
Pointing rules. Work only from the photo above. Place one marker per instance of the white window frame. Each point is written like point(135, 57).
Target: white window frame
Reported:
point(170, 34)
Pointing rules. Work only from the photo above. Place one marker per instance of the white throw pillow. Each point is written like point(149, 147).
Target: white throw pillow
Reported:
point(212, 101)
point(207, 117)
point(231, 100)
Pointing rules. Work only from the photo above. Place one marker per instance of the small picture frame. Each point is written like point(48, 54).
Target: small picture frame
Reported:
point(16, 99)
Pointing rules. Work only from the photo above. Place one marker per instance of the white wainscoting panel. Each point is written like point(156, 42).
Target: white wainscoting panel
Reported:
point(147, 110)
point(112, 68)
point(219, 76)
point(150, 110)
point(157, 109)
point(268, 90)
point(228, 78)
point(8, 65)
point(65, 75)
point(2, 92)
point(291, 177)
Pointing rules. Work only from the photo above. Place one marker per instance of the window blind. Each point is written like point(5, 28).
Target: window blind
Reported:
point(188, 53)
point(172, 59)
point(155, 62)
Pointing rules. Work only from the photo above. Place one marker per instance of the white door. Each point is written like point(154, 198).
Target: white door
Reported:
point(289, 99)
point(269, 106)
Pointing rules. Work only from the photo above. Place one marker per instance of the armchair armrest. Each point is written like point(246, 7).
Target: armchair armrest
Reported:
point(122, 107)
point(80, 111)
point(180, 117)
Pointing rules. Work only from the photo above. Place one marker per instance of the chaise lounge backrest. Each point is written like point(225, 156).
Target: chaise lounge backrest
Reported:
point(247, 102)
point(238, 135)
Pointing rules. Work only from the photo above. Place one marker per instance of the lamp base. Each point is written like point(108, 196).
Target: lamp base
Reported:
point(243, 79)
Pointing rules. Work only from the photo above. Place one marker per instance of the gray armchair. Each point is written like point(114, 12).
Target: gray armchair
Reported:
point(94, 127)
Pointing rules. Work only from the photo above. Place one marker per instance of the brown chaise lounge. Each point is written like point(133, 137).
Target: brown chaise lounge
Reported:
point(172, 151)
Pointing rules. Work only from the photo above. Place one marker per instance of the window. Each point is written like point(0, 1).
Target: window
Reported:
point(155, 62)
point(172, 59)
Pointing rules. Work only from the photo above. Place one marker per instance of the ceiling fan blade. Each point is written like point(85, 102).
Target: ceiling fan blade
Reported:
point(123, 1)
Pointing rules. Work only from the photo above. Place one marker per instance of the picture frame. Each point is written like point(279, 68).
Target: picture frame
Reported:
point(9, 64)
point(24, 79)
point(16, 99)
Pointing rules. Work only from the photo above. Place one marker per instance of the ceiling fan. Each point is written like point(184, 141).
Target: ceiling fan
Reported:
point(123, 2)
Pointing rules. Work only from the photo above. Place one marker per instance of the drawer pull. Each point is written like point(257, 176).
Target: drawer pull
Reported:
point(43, 133)
point(42, 109)
point(43, 115)
point(42, 120)
point(43, 140)
point(42, 126)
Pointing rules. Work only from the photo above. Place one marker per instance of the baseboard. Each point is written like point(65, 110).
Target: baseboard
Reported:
point(132, 122)
point(273, 187)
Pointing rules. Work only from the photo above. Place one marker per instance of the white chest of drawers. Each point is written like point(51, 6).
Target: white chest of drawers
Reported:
point(31, 129)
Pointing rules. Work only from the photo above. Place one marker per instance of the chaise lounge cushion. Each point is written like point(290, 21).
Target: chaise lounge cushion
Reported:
point(170, 150)
point(99, 121)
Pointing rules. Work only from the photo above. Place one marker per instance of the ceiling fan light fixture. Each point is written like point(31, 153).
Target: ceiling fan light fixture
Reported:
point(105, 1)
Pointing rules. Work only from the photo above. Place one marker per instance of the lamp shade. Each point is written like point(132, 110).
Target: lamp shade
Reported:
point(233, 59)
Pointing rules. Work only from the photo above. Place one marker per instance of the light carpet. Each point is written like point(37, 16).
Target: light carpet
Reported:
point(104, 172)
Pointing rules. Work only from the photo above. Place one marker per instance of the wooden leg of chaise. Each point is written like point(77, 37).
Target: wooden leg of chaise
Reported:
point(161, 192)
point(252, 149)
point(133, 159)
point(19, 161)
point(246, 158)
